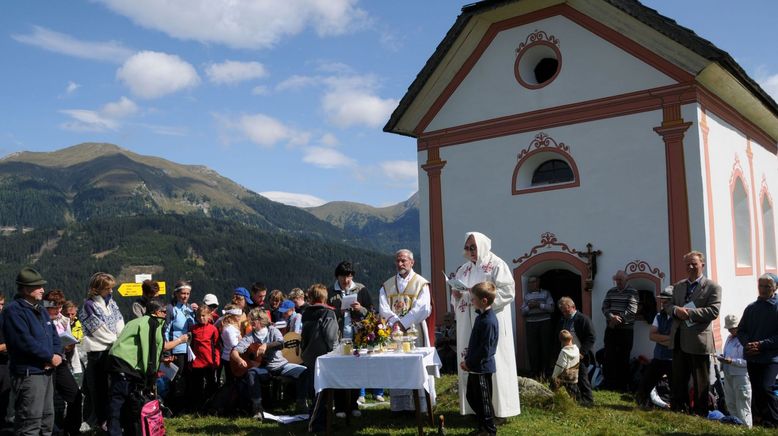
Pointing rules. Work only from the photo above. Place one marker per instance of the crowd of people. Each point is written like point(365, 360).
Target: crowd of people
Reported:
point(65, 366)
point(683, 374)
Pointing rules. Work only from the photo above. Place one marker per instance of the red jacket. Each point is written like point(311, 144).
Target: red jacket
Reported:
point(205, 346)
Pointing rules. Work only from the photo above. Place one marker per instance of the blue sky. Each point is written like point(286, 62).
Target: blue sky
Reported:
point(287, 98)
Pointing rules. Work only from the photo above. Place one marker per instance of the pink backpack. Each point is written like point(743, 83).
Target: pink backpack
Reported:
point(151, 421)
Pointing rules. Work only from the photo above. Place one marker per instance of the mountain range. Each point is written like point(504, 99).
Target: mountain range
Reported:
point(97, 206)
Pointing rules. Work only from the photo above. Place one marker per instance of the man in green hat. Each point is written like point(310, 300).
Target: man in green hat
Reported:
point(34, 350)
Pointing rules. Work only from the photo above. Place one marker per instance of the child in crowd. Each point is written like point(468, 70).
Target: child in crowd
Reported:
point(294, 321)
point(230, 324)
point(737, 386)
point(298, 296)
point(205, 346)
point(479, 357)
point(319, 336)
point(211, 301)
point(274, 301)
point(566, 368)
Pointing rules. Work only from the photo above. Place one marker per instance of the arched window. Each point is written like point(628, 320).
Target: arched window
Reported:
point(742, 227)
point(768, 223)
point(552, 171)
point(545, 165)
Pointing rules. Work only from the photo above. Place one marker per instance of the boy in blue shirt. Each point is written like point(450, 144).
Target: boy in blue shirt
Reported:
point(479, 358)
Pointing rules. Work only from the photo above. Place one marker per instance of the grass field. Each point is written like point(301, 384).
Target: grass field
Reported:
point(614, 414)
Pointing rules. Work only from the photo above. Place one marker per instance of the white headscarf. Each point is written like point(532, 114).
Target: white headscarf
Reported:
point(484, 245)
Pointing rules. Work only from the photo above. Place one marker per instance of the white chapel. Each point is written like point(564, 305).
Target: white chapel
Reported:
point(590, 136)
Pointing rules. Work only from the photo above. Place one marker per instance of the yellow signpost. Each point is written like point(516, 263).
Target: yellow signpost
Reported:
point(134, 289)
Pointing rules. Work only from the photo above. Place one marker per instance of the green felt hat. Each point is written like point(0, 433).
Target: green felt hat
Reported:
point(28, 276)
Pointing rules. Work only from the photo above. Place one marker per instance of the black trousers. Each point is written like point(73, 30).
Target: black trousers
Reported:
point(653, 374)
point(764, 403)
point(67, 420)
point(696, 366)
point(96, 381)
point(618, 346)
point(201, 385)
point(479, 397)
point(585, 396)
point(540, 338)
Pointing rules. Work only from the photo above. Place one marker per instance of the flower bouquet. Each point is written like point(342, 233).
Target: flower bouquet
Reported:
point(371, 332)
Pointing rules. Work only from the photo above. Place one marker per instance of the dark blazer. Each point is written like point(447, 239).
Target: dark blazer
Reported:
point(697, 338)
point(584, 331)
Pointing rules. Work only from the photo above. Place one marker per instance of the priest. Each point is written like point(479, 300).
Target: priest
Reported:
point(404, 301)
point(484, 266)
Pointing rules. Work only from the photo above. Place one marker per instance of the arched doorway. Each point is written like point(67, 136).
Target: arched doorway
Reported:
point(561, 273)
point(562, 283)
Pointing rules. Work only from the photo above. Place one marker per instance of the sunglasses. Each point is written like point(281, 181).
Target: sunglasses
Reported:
point(471, 247)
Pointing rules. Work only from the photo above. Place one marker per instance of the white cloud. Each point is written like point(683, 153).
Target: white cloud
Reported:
point(120, 109)
point(297, 82)
point(325, 157)
point(347, 108)
point(400, 170)
point(62, 43)
point(72, 87)
point(245, 24)
point(151, 74)
point(87, 121)
point(351, 100)
point(229, 72)
point(267, 131)
point(106, 118)
point(294, 199)
point(770, 85)
point(260, 90)
point(329, 139)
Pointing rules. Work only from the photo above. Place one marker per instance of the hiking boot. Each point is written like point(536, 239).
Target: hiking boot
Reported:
point(361, 400)
point(380, 398)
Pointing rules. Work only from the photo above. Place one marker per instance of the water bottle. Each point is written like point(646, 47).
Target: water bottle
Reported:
point(348, 329)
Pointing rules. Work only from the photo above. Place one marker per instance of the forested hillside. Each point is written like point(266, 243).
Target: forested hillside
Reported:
point(217, 255)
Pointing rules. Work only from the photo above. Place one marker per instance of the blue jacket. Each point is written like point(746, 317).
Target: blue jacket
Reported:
point(760, 324)
point(483, 344)
point(30, 336)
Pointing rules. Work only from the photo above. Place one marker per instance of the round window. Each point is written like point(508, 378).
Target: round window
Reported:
point(537, 64)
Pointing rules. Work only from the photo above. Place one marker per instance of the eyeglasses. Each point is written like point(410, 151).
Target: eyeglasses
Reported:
point(471, 247)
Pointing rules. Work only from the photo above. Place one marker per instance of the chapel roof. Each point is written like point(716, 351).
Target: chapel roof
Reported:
point(648, 16)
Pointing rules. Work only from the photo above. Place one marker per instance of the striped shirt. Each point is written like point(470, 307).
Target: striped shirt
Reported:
point(543, 311)
point(623, 303)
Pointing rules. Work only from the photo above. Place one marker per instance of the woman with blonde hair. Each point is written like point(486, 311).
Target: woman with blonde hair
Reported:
point(102, 322)
point(230, 336)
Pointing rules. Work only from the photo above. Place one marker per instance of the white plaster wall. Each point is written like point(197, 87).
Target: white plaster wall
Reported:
point(724, 143)
point(591, 68)
point(620, 205)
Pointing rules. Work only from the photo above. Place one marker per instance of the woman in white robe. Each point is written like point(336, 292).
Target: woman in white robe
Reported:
point(485, 266)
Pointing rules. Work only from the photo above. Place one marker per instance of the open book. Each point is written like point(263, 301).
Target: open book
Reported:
point(455, 283)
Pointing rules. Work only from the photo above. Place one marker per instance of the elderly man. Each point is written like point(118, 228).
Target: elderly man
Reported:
point(695, 304)
point(404, 300)
point(619, 308)
point(758, 333)
point(537, 307)
point(583, 336)
point(34, 351)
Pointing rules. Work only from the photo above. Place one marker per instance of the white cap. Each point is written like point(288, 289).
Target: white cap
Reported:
point(210, 299)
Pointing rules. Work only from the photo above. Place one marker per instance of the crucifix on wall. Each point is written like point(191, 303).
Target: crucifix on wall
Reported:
point(591, 265)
